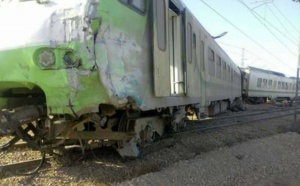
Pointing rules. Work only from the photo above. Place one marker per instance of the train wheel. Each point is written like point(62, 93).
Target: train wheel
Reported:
point(127, 148)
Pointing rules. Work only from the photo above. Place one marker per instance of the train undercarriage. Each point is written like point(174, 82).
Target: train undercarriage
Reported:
point(127, 131)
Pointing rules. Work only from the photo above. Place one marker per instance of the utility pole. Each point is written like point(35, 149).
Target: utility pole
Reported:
point(243, 58)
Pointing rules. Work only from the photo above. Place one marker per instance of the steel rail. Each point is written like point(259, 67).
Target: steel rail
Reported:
point(24, 165)
point(230, 124)
point(243, 115)
point(39, 162)
point(205, 128)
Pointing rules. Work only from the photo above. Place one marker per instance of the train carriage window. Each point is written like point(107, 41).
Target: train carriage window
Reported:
point(211, 54)
point(219, 66)
point(234, 76)
point(238, 78)
point(189, 42)
point(286, 86)
point(259, 81)
point(224, 65)
point(137, 5)
point(274, 84)
point(269, 83)
point(279, 84)
point(211, 61)
point(282, 85)
point(224, 70)
point(290, 87)
point(294, 86)
point(228, 74)
point(264, 83)
point(161, 25)
point(194, 40)
point(202, 55)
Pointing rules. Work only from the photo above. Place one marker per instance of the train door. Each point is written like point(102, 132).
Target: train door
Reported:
point(167, 52)
point(160, 48)
point(191, 63)
point(175, 43)
point(202, 62)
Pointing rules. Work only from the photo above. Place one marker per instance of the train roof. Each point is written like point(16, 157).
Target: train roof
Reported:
point(267, 71)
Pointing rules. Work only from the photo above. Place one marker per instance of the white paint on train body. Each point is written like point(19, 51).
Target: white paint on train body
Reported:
point(34, 24)
point(261, 83)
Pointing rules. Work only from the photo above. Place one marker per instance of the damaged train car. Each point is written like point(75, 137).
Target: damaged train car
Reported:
point(107, 72)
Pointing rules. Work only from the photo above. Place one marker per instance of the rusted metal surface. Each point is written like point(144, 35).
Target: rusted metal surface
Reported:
point(19, 167)
point(98, 135)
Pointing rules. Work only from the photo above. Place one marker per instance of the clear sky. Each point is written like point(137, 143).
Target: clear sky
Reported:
point(269, 32)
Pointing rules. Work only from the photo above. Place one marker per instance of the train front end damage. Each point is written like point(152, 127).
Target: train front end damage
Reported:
point(47, 56)
point(55, 88)
point(48, 76)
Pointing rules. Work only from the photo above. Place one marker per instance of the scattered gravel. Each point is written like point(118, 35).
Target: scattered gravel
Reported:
point(105, 167)
point(269, 161)
point(15, 154)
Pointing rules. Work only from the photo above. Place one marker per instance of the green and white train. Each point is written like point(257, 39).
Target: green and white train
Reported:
point(107, 72)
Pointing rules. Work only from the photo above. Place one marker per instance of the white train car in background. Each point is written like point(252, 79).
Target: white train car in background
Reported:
point(259, 85)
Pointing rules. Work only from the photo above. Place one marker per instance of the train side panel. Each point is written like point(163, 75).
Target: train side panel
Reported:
point(264, 84)
point(108, 72)
point(222, 75)
point(127, 68)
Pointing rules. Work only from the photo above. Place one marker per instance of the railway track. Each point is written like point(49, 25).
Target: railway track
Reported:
point(21, 166)
point(25, 167)
point(225, 121)
point(192, 126)
point(253, 113)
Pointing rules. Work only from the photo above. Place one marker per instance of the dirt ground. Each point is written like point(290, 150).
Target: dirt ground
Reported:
point(105, 167)
point(269, 161)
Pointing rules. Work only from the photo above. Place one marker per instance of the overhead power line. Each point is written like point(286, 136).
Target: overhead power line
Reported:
point(249, 37)
point(292, 41)
point(285, 18)
point(255, 15)
point(246, 50)
point(233, 46)
point(284, 27)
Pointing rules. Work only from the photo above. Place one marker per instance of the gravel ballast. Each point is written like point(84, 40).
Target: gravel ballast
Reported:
point(105, 167)
point(269, 161)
